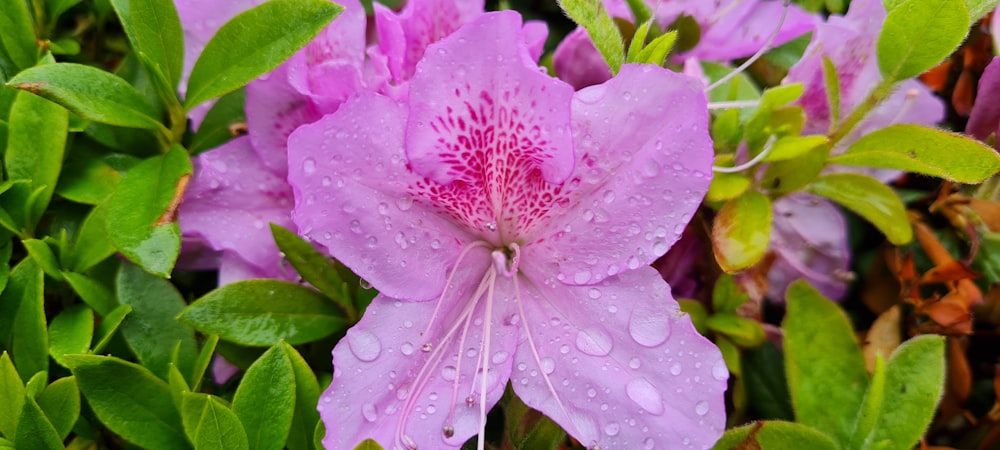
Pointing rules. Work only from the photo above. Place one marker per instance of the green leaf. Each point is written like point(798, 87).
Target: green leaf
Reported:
point(61, 403)
point(727, 186)
point(831, 80)
point(869, 198)
point(871, 408)
point(86, 177)
point(112, 321)
point(71, 332)
point(914, 383)
point(36, 384)
point(306, 398)
point(43, 256)
point(979, 8)
point(35, 143)
point(741, 330)
point(130, 401)
point(656, 51)
point(919, 34)
point(17, 34)
point(217, 128)
point(791, 175)
point(789, 147)
point(775, 435)
point(314, 267)
point(638, 41)
point(22, 319)
point(95, 294)
point(741, 231)
point(141, 212)
point(600, 27)
point(260, 312)
point(55, 8)
point(210, 424)
point(152, 331)
point(265, 400)
point(34, 431)
point(767, 387)
point(154, 28)
point(92, 244)
point(254, 43)
point(929, 151)
point(826, 372)
point(90, 93)
point(368, 444)
point(727, 295)
point(11, 396)
point(204, 359)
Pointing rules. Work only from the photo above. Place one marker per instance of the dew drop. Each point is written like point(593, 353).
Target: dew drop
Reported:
point(355, 226)
point(645, 395)
point(548, 365)
point(448, 373)
point(326, 181)
point(406, 348)
point(435, 244)
point(594, 341)
point(701, 408)
point(364, 344)
point(499, 357)
point(635, 363)
point(404, 203)
point(660, 247)
point(594, 293)
point(564, 349)
point(309, 166)
point(675, 369)
point(720, 371)
point(581, 277)
point(591, 392)
point(648, 444)
point(649, 328)
point(612, 429)
point(369, 412)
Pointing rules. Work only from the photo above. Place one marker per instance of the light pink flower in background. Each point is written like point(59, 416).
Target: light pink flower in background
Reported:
point(985, 117)
point(809, 240)
point(508, 224)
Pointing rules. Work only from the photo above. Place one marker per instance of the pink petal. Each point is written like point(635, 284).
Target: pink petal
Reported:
point(232, 199)
point(618, 365)
point(744, 28)
point(200, 20)
point(380, 364)
point(274, 109)
point(644, 158)
point(403, 38)
point(329, 69)
point(459, 97)
point(985, 117)
point(351, 182)
point(809, 237)
point(222, 370)
point(577, 62)
point(535, 32)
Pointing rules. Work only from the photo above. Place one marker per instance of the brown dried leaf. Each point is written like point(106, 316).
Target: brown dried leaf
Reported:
point(883, 337)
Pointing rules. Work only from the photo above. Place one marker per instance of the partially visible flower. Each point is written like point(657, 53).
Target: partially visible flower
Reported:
point(809, 240)
point(508, 224)
point(985, 117)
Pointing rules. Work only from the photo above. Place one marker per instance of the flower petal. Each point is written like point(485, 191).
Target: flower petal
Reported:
point(625, 368)
point(809, 239)
point(985, 117)
point(231, 200)
point(351, 182)
point(746, 26)
point(644, 158)
point(274, 109)
point(379, 366)
point(577, 62)
point(474, 113)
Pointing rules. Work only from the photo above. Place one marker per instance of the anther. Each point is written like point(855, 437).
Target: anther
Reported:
point(492, 226)
point(408, 443)
point(448, 431)
point(470, 401)
point(426, 347)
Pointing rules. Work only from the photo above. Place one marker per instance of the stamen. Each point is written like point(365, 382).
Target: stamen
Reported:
point(721, 12)
point(908, 102)
point(506, 261)
point(484, 357)
point(734, 104)
point(756, 56)
point(408, 443)
point(768, 146)
point(447, 284)
point(448, 431)
point(461, 346)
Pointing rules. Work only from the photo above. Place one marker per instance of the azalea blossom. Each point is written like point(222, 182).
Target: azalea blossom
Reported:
point(985, 117)
point(508, 224)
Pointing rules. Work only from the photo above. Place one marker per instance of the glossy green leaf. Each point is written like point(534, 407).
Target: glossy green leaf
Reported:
point(90, 93)
point(314, 267)
point(826, 372)
point(775, 435)
point(217, 128)
point(95, 294)
point(919, 149)
point(600, 27)
point(92, 244)
point(17, 34)
point(71, 332)
point(152, 331)
point(43, 256)
point(260, 312)
point(869, 198)
point(112, 321)
point(918, 34)
point(741, 231)
point(36, 384)
point(60, 401)
point(265, 400)
point(22, 319)
point(306, 398)
point(34, 431)
point(35, 143)
point(178, 387)
point(914, 383)
point(86, 177)
point(11, 396)
point(656, 51)
point(141, 212)
point(130, 401)
point(253, 43)
point(154, 28)
point(201, 364)
point(211, 425)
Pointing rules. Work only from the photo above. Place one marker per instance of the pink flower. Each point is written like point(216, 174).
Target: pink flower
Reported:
point(985, 117)
point(508, 224)
point(809, 239)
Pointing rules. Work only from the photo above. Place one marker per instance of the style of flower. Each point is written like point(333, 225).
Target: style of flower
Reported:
point(508, 224)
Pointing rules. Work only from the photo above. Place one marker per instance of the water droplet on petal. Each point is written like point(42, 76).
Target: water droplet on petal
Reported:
point(364, 344)
point(499, 357)
point(594, 341)
point(594, 293)
point(548, 365)
point(635, 363)
point(649, 328)
point(581, 277)
point(404, 203)
point(675, 369)
point(612, 429)
point(448, 373)
point(701, 408)
point(355, 226)
point(645, 395)
point(720, 371)
point(648, 444)
point(309, 166)
point(369, 412)
point(406, 348)
point(327, 181)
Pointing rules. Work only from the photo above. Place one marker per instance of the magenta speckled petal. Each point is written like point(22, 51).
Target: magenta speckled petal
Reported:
point(232, 199)
point(385, 382)
point(645, 163)
point(504, 106)
point(618, 365)
point(809, 239)
point(274, 109)
point(404, 37)
point(985, 117)
point(351, 181)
